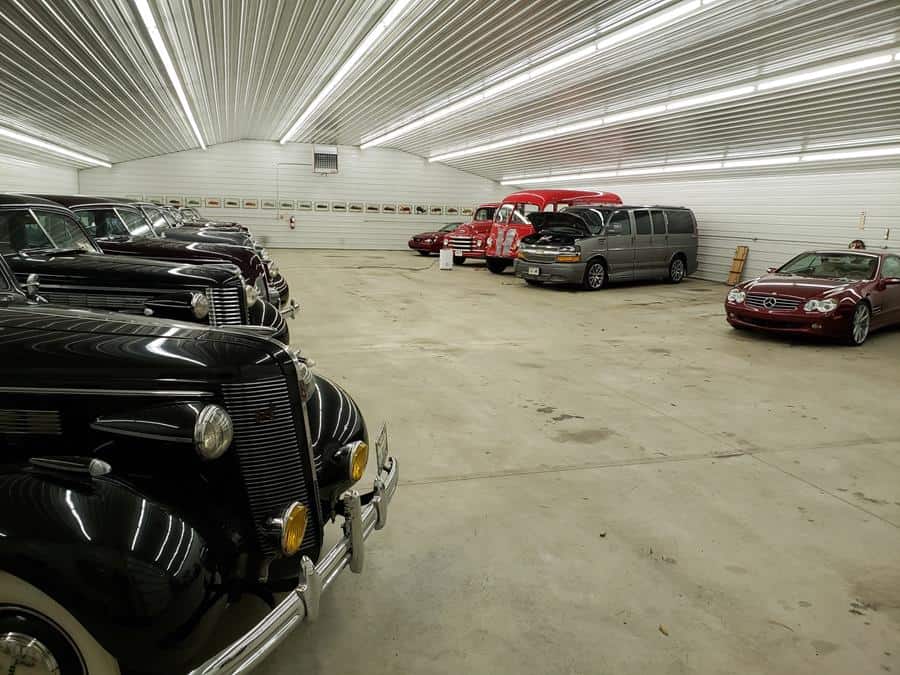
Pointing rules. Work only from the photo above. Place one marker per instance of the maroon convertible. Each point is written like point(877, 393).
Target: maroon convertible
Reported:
point(838, 294)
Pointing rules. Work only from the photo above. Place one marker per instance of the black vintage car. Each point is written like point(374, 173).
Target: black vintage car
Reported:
point(168, 221)
point(44, 243)
point(122, 228)
point(151, 474)
point(191, 217)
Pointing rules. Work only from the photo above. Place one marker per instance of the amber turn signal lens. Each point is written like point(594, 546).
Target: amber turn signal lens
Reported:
point(568, 258)
point(359, 457)
point(520, 255)
point(293, 527)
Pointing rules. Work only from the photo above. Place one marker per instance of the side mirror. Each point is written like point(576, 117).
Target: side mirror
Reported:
point(769, 270)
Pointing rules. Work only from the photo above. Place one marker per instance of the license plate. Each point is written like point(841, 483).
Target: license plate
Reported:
point(534, 271)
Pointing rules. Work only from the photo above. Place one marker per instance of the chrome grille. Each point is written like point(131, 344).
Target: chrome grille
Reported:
point(461, 243)
point(22, 421)
point(758, 300)
point(127, 303)
point(275, 467)
point(225, 307)
point(536, 255)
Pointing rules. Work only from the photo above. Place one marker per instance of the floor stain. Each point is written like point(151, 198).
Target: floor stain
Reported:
point(660, 350)
point(586, 436)
point(567, 416)
point(737, 569)
point(823, 647)
point(860, 495)
point(547, 409)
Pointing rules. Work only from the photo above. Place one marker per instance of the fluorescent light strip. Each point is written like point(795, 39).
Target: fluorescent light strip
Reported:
point(25, 139)
point(731, 93)
point(146, 13)
point(885, 151)
point(655, 22)
point(372, 37)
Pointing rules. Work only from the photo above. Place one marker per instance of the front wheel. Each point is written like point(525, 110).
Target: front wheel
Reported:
point(594, 276)
point(425, 253)
point(37, 632)
point(497, 265)
point(676, 271)
point(859, 324)
point(459, 260)
point(534, 282)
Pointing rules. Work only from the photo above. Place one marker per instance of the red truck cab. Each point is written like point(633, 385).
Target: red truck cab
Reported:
point(467, 240)
point(511, 219)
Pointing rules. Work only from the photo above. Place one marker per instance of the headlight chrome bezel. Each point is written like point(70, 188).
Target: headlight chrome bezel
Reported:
point(200, 305)
point(212, 418)
point(821, 305)
point(251, 294)
point(737, 296)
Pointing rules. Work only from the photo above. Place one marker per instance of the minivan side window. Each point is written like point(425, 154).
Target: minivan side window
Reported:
point(680, 222)
point(659, 222)
point(618, 223)
point(642, 222)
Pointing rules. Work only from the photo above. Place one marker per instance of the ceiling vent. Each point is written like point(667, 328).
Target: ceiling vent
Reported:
point(325, 159)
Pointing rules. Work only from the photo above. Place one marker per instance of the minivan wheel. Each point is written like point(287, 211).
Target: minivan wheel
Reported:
point(497, 265)
point(676, 270)
point(859, 324)
point(36, 629)
point(534, 282)
point(594, 276)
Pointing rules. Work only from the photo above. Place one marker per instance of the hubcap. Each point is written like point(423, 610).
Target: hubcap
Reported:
point(861, 324)
point(677, 270)
point(595, 276)
point(24, 655)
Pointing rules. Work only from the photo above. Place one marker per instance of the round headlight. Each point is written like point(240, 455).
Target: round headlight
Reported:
point(293, 527)
point(263, 253)
point(273, 270)
point(213, 432)
point(200, 305)
point(736, 295)
point(251, 294)
point(359, 457)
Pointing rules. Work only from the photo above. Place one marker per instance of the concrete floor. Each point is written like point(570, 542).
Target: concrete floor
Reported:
point(614, 482)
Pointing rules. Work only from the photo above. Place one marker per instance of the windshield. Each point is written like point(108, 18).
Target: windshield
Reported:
point(135, 222)
point(849, 266)
point(102, 223)
point(190, 214)
point(484, 213)
point(37, 230)
point(449, 227)
point(156, 217)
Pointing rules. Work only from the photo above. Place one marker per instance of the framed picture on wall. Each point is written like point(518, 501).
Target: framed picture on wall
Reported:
point(134, 198)
point(436, 211)
point(213, 202)
point(339, 207)
point(373, 208)
point(466, 211)
point(323, 206)
point(304, 205)
point(250, 203)
point(356, 207)
point(421, 210)
point(174, 201)
point(193, 201)
point(405, 209)
point(451, 210)
point(231, 203)
point(268, 204)
point(156, 199)
point(389, 208)
point(288, 204)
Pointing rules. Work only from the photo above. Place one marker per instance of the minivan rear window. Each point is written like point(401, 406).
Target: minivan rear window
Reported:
point(680, 222)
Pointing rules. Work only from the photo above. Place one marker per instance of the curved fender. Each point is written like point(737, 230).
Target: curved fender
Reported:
point(137, 576)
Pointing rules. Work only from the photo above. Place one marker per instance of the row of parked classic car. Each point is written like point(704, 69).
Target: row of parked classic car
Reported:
point(163, 450)
point(592, 238)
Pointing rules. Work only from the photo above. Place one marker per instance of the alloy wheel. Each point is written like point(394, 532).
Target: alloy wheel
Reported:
point(676, 270)
point(859, 328)
point(596, 276)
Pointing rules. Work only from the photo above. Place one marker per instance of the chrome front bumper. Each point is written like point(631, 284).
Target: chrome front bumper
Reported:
point(290, 308)
point(303, 602)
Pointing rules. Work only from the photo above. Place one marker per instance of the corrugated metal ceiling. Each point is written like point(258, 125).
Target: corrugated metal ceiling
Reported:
point(82, 73)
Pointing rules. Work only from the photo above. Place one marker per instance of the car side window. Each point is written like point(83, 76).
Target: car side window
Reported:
point(642, 223)
point(659, 222)
point(891, 267)
point(502, 214)
point(101, 223)
point(135, 222)
point(618, 223)
point(680, 221)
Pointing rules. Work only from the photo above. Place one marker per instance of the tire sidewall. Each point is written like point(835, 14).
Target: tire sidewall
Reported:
point(851, 337)
point(677, 262)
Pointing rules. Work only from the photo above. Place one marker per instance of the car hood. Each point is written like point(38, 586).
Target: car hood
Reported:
point(119, 271)
point(474, 227)
point(554, 236)
point(549, 220)
point(800, 287)
point(210, 235)
point(426, 235)
point(191, 252)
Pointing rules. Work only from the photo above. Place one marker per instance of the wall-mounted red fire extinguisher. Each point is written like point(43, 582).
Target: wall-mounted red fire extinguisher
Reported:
point(292, 221)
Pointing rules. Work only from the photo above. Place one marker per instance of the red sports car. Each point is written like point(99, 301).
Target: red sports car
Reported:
point(837, 294)
point(427, 243)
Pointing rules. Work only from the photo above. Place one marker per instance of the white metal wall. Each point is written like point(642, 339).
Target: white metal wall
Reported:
point(267, 170)
point(18, 175)
point(777, 215)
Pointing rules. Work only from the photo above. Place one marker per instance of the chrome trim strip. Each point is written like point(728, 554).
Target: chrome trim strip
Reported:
point(303, 602)
point(105, 392)
point(98, 426)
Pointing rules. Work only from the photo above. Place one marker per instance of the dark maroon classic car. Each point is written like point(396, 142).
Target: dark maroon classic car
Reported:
point(836, 294)
point(427, 243)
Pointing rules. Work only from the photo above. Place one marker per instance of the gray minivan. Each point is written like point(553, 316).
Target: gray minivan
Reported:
point(592, 245)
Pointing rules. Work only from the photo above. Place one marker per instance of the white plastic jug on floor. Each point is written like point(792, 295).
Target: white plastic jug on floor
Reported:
point(446, 259)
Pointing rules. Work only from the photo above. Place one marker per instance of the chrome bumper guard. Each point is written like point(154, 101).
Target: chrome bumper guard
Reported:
point(303, 602)
point(291, 308)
